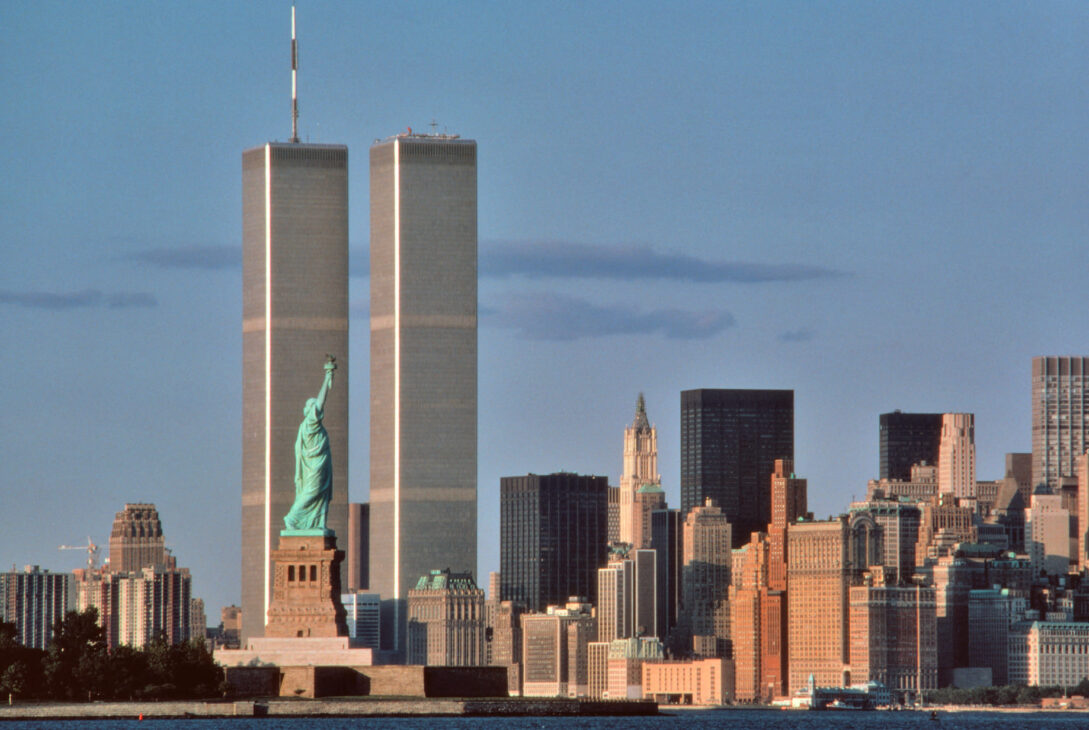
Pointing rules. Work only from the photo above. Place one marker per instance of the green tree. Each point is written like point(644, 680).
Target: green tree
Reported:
point(13, 681)
point(76, 662)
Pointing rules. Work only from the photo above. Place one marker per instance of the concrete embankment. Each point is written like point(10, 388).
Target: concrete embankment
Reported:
point(498, 707)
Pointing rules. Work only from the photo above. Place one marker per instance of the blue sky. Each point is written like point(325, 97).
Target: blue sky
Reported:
point(878, 205)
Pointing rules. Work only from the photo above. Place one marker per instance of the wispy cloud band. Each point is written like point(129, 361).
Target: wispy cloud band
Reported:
point(208, 258)
point(560, 259)
point(85, 299)
point(556, 317)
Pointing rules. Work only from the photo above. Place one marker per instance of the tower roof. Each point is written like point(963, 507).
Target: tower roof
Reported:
point(641, 423)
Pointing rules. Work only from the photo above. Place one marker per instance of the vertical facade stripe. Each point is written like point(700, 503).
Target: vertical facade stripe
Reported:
point(266, 547)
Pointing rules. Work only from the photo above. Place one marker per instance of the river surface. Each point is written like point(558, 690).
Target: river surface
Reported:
point(688, 719)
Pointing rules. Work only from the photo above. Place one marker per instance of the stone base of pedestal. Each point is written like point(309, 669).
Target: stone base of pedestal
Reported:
point(327, 652)
point(306, 588)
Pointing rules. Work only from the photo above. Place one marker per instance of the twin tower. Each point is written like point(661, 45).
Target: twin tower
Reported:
point(423, 354)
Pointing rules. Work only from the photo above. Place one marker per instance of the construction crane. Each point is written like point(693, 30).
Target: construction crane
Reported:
point(90, 547)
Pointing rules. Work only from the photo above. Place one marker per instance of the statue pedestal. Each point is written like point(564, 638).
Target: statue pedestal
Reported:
point(306, 587)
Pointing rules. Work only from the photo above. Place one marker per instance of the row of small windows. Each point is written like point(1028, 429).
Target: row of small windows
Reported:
point(302, 573)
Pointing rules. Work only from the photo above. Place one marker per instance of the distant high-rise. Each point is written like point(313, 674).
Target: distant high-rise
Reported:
point(1060, 418)
point(667, 541)
point(551, 538)
point(446, 621)
point(34, 600)
point(423, 365)
point(730, 440)
point(957, 455)
point(640, 473)
point(136, 540)
point(294, 312)
point(706, 580)
point(907, 439)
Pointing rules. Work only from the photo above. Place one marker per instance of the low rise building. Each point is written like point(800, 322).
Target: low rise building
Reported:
point(698, 682)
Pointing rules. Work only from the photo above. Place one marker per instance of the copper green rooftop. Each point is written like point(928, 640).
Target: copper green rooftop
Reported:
point(444, 580)
point(650, 489)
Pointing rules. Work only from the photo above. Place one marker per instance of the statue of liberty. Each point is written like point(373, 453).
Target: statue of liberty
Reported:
point(313, 463)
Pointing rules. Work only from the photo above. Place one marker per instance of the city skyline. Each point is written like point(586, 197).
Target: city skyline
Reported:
point(857, 174)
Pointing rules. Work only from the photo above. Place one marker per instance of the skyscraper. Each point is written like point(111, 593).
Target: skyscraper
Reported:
point(1060, 417)
point(294, 312)
point(551, 538)
point(34, 600)
point(957, 455)
point(730, 440)
point(423, 365)
point(640, 470)
point(706, 580)
point(907, 439)
point(136, 540)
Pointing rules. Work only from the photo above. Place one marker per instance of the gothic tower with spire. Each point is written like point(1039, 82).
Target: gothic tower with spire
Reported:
point(640, 482)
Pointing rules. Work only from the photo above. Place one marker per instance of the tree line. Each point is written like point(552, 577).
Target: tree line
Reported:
point(77, 666)
point(1010, 694)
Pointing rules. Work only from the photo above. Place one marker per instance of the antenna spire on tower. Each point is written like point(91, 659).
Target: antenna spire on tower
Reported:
point(294, 81)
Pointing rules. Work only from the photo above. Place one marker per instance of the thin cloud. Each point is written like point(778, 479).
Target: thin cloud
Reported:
point(557, 317)
point(799, 335)
point(207, 258)
point(85, 299)
point(560, 259)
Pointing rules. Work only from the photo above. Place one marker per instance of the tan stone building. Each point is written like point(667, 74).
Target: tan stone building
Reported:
point(640, 483)
point(699, 682)
point(446, 621)
point(957, 455)
point(825, 559)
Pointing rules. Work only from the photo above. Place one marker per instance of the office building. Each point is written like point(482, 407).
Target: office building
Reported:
point(140, 606)
point(446, 621)
point(34, 599)
point(151, 597)
point(555, 650)
point(1047, 533)
point(667, 541)
point(136, 540)
point(730, 440)
point(551, 538)
point(358, 554)
point(624, 667)
point(1082, 528)
point(627, 593)
point(363, 617)
point(907, 439)
point(198, 620)
point(957, 455)
point(892, 637)
point(423, 361)
point(825, 559)
point(503, 635)
point(899, 523)
point(1060, 418)
point(706, 580)
point(294, 312)
point(640, 482)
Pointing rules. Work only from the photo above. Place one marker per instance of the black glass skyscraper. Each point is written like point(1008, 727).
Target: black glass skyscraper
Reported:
point(907, 439)
point(730, 440)
point(553, 537)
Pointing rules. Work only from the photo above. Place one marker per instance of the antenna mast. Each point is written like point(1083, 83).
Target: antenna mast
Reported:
point(294, 81)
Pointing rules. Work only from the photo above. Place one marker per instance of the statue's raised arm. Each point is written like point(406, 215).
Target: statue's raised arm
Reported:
point(327, 384)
